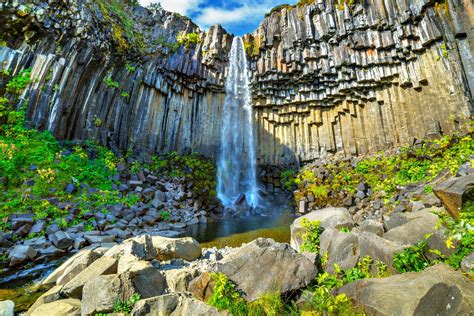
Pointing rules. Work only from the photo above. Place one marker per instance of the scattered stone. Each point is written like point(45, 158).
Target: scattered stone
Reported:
point(7, 308)
point(61, 240)
point(141, 247)
point(96, 239)
point(370, 226)
point(21, 253)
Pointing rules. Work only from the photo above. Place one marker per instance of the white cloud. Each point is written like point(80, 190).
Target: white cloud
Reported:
point(181, 6)
point(248, 11)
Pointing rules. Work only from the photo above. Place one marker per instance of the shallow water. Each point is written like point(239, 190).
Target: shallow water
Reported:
point(22, 286)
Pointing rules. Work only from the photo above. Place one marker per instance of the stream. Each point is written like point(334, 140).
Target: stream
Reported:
point(21, 286)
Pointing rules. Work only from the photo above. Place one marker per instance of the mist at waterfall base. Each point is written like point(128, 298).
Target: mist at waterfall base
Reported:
point(237, 164)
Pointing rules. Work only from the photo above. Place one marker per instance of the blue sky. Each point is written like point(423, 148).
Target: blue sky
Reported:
point(236, 16)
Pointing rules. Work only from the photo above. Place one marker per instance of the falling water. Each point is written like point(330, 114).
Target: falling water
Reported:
point(237, 161)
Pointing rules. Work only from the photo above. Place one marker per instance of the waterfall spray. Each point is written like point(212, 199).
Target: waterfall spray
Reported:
point(237, 163)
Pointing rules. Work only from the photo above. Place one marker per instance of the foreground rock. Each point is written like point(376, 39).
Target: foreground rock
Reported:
point(175, 305)
point(264, 266)
point(437, 290)
point(332, 217)
point(70, 307)
point(7, 308)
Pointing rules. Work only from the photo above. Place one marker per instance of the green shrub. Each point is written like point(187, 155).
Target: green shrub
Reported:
point(19, 82)
point(188, 39)
point(226, 297)
point(111, 83)
point(287, 178)
point(412, 258)
point(126, 306)
point(311, 235)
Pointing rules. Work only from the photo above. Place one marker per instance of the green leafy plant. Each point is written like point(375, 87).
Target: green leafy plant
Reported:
point(165, 215)
point(19, 82)
point(126, 306)
point(226, 297)
point(188, 39)
point(311, 235)
point(412, 258)
point(111, 83)
point(288, 179)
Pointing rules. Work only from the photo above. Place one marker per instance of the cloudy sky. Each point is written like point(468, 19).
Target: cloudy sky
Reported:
point(237, 16)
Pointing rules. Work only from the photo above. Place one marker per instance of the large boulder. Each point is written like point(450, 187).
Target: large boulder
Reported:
point(265, 266)
point(101, 293)
point(70, 307)
point(102, 266)
point(419, 225)
point(171, 248)
point(140, 247)
point(454, 192)
point(342, 249)
point(378, 248)
point(331, 217)
point(53, 294)
point(437, 290)
point(72, 267)
point(179, 280)
point(174, 304)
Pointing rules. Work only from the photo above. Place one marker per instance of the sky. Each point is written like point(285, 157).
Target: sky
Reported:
point(236, 16)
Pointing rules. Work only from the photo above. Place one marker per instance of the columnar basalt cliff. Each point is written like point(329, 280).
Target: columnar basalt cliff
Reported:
point(333, 78)
point(325, 78)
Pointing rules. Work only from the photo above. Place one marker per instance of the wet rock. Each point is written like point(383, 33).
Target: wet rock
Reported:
point(72, 267)
point(170, 248)
point(331, 217)
point(438, 290)
point(453, 192)
point(173, 304)
point(101, 266)
point(285, 269)
point(70, 307)
point(21, 253)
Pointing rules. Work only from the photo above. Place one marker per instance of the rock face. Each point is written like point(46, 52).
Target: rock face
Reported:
point(437, 290)
point(324, 78)
point(264, 266)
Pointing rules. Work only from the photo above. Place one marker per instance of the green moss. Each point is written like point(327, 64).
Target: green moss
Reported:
point(252, 45)
point(188, 40)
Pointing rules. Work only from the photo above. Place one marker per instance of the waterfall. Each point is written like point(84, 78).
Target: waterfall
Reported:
point(237, 163)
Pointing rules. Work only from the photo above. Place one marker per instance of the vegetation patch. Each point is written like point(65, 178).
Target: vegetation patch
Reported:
point(188, 40)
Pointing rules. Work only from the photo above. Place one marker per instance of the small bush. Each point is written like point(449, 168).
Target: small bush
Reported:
point(189, 39)
point(127, 306)
point(311, 236)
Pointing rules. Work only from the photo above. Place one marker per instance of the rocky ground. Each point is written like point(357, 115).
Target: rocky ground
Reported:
point(165, 207)
point(174, 276)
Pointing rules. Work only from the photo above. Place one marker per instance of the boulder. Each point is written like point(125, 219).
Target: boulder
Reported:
point(61, 240)
point(284, 269)
point(171, 248)
point(70, 307)
point(7, 308)
point(142, 247)
point(378, 248)
point(101, 266)
point(370, 226)
point(174, 304)
point(202, 287)
point(454, 191)
point(418, 226)
point(331, 217)
point(72, 267)
point(437, 290)
point(21, 253)
point(51, 295)
point(101, 293)
point(467, 265)
point(179, 279)
point(342, 249)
